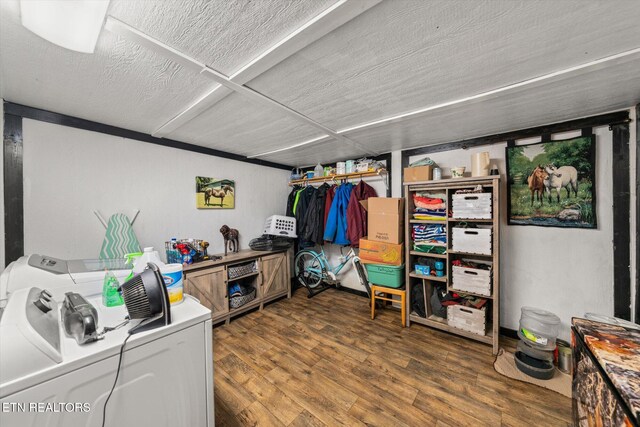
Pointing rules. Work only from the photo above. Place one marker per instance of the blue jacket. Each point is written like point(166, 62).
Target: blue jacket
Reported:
point(336, 228)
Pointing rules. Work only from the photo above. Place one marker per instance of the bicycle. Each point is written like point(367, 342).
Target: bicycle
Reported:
point(313, 269)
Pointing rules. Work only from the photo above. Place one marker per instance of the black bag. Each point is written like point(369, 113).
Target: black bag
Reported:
point(436, 302)
point(270, 243)
point(417, 301)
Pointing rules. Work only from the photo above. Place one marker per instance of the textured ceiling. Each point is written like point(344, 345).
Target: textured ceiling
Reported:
point(120, 84)
point(396, 56)
point(237, 125)
point(222, 34)
point(521, 109)
point(405, 55)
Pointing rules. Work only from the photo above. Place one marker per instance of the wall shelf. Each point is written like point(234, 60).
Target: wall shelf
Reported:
point(488, 221)
point(428, 255)
point(320, 179)
point(440, 323)
point(452, 252)
point(425, 277)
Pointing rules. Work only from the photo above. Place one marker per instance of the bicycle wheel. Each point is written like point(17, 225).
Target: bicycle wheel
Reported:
point(308, 269)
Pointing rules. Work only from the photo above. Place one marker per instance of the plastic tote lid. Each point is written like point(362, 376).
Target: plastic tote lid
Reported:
point(540, 315)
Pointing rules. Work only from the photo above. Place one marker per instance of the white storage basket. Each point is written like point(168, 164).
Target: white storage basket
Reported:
point(280, 225)
point(471, 206)
point(474, 280)
point(467, 318)
point(472, 240)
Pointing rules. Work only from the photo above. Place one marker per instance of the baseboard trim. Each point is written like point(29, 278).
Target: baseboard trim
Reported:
point(509, 333)
point(353, 291)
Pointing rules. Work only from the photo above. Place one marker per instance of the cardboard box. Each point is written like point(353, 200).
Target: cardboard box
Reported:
point(418, 173)
point(373, 252)
point(385, 219)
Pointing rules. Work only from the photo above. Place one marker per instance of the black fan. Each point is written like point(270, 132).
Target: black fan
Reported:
point(145, 297)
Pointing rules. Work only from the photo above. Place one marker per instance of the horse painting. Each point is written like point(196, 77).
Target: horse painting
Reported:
point(217, 194)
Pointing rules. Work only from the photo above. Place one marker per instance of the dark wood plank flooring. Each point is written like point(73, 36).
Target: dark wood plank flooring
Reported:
point(323, 361)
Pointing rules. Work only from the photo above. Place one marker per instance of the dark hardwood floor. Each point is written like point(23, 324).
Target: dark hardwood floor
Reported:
point(323, 361)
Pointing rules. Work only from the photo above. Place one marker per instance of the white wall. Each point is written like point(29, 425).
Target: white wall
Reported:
point(566, 271)
point(69, 173)
point(2, 186)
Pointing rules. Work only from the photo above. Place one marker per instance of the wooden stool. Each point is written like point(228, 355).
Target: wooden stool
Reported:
point(393, 291)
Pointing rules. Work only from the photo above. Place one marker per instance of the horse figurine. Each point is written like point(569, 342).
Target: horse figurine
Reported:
point(218, 194)
point(230, 239)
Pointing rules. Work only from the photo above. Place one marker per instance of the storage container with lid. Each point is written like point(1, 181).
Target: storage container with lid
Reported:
point(385, 275)
point(539, 327)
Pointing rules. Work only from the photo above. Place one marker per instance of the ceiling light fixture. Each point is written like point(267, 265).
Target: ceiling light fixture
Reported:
point(299, 144)
point(72, 24)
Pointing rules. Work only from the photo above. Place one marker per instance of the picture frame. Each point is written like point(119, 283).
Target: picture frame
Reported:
point(552, 183)
point(215, 193)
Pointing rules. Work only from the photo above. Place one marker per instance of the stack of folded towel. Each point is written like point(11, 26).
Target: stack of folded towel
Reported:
point(429, 238)
point(429, 208)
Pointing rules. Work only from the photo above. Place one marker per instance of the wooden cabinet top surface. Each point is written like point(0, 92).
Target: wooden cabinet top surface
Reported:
point(231, 258)
point(454, 181)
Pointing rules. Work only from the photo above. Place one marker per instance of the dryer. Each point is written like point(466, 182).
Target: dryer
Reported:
point(48, 379)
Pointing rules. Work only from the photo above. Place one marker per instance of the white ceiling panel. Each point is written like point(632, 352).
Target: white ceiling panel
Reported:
point(120, 84)
point(323, 152)
point(404, 55)
point(608, 89)
point(242, 127)
point(220, 33)
point(395, 57)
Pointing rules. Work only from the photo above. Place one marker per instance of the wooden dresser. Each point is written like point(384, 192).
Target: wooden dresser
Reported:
point(209, 281)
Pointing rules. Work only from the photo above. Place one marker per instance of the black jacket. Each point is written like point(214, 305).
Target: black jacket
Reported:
point(302, 207)
point(291, 199)
point(313, 229)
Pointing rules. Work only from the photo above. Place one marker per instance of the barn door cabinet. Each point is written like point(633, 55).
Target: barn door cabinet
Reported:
point(209, 281)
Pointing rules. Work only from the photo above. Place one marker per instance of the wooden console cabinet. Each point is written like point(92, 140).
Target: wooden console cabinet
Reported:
point(209, 280)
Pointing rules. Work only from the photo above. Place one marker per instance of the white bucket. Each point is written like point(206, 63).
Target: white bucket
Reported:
point(172, 276)
point(341, 168)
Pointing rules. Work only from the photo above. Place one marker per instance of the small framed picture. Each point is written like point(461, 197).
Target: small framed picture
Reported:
point(214, 193)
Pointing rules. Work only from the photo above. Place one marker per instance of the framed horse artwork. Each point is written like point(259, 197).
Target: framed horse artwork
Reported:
point(215, 193)
point(553, 183)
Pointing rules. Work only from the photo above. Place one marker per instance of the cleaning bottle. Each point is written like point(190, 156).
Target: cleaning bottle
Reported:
point(149, 255)
point(131, 259)
point(110, 295)
point(318, 170)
